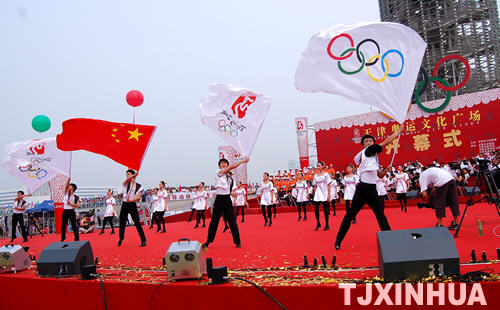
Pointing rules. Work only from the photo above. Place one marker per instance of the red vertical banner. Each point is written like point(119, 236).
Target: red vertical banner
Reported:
point(465, 128)
point(57, 187)
point(302, 141)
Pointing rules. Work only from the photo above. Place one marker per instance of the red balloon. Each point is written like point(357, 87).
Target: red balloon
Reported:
point(135, 98)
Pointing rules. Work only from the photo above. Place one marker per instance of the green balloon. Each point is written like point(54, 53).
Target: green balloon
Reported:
point(40, 123)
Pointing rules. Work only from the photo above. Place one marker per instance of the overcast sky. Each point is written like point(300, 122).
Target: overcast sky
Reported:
point(68, 59)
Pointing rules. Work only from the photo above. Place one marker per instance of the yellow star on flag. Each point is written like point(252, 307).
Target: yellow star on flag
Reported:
point(134, 134)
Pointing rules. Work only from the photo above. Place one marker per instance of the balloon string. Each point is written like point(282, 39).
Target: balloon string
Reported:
point(133, 117)
point(395, 150)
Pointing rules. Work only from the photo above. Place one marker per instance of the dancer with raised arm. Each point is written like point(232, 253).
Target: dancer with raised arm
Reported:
point(132, 193)
point(223, 204)
point(71, 201)
point(18, 216)
point(366, 191)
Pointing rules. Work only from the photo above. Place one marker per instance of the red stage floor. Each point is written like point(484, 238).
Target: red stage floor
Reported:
point(133, 273)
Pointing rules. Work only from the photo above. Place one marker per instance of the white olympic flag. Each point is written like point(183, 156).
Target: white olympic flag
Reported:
point(373, 63)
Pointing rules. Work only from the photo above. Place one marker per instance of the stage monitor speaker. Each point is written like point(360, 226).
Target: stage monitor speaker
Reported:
point(13, 258)
point(64, 258)
point(185, 259)
point(416, 253)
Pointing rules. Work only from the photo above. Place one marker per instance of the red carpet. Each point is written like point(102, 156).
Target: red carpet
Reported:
point(133, 272)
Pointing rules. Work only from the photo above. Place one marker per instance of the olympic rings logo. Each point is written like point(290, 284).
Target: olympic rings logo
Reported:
point(33, 172)
point(362, 60)
point(440, 83)
point(223, 127)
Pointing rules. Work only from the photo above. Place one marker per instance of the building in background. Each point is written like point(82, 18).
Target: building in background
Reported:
point(465, 27)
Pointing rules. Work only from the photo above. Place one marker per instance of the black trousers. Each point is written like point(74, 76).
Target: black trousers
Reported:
point(382, 201)
point(71, 216)
point(402, 200)
point(326, 211)
point(365, 194)
point(347, 207)
point(200, 215)
point(333, 206)
point(223, 205)
point(269, 216)
point(242, 212)
point(191, 216)
point(160, 221)
point(130, 208)
point(301, 206)
point(110, 220)
point(18, 218)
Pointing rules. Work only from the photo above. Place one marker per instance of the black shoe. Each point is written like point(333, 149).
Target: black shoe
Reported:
point(265, 224)
point(150, 227)
point(337, 245)
point(25, 240)
point(203, 226)
point(12, 240)
point(205, 245)
point(317, 227)
point(102, 232)
point(158, 230)
point(143, 244)
point(270, 223)
point(305, 218)
point(163, 231)
point(334, 214)
point(299, 219)
point(238, 245)
point(120, 242)
point(243, 221)
point(326, 228)
point(453, 226)
point(112, 233)
point(225, 228)
point(354, 221)
point(196, 226)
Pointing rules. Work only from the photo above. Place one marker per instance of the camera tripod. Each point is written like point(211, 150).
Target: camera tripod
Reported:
point(490, 197)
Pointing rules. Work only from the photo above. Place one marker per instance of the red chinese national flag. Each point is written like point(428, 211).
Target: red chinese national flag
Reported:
point(124, 143)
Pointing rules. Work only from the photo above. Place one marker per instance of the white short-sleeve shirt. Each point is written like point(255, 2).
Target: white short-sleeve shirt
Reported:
point(350, 183)
point(400, 181)
point(110, 211)
point(321, 182)
point(240, 196)
point(199, 200)
point(382, 186)
point(434, 177)
point(71, 199)
point(302, 191)
point(19, 204)
point(267, 194)
point(222, 184)
point(334, 190)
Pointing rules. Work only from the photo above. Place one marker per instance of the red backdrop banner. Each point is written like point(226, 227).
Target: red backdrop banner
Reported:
point(466, 127)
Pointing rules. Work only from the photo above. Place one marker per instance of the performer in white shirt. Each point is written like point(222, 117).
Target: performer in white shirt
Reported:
point(200, 204)
point(443, 193)
point(382, 187)
point(402, 183)
point(267, 199)
point(240, 200)
point(18, 216)
point(223, 204)
point(321, 183)
point(350, 181)
point(132, 193)
point(366, 191)
point(162, 207)
point(193, 210)
point(71, 201)
point(334, 192)
point(302, 194)
point(110, 212)
point(275, 200)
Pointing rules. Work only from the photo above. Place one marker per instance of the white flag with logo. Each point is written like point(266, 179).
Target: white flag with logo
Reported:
point(372, 63)
point(236, 114)
point(35, 162)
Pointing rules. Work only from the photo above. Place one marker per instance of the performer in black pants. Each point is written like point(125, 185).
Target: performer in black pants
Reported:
point(239, 195)
point(223, 204)
point(321, 183)
point(302, 189)
point(132, 193)
point(71, 201)
point(366, 191)
point(18, 216)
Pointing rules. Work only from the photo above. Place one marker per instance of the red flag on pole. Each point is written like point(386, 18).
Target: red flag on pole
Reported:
point(122, 142)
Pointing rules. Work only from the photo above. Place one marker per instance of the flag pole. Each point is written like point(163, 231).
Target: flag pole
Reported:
point(395, 150)
point(70, 160)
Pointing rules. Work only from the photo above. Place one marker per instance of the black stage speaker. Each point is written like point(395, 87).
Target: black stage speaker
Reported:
point(416, 253)
point(64, 258)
